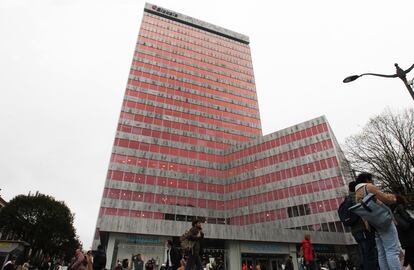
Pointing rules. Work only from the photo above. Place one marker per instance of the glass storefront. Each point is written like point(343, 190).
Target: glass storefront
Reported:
point(266, 262)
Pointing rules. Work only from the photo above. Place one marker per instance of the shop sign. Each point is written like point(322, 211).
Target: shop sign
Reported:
point(143, 240)
point(268, 248)
point(320, 248)
point(164, 11)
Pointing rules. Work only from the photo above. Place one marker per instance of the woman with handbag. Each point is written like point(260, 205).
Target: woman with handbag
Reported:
point(372, 208)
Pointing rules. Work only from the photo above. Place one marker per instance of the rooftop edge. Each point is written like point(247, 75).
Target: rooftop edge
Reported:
point(163, 12)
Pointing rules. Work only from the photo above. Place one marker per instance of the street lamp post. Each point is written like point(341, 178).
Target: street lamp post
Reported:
point(400, 73)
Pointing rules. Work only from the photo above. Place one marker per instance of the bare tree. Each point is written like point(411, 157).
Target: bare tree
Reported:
point(385, 148)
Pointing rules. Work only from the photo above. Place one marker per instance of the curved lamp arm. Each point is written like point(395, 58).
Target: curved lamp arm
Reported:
point(354, 77)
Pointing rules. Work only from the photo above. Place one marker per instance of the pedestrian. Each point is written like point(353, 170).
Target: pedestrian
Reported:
point(183, 262)
point(99, 260)
point(364, 235)
point(26, 266)
point(138, 262)
point(308, 253)
point(172, 256)
point(118, 265)
point(341, 263)
point(125, 264)
point(89, 260)
point(405, 228)
point(150, 265)
point(10, 264)
point(193, 238)
point(332, 264)
point(78, 262)
point(386, 237)
point(289, 263)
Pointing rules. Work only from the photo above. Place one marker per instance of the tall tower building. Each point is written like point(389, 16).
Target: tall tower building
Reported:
point(189, 146)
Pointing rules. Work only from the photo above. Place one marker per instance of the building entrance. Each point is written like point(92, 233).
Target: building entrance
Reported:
point(266, 262)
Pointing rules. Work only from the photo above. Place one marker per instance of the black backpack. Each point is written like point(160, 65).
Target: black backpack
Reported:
point(347, 218)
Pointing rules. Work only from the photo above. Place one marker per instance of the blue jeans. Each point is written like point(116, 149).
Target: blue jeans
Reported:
point(367, 249)
point(388, 247)
point(194, 259)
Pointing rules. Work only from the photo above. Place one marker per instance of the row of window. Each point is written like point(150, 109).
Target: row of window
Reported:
point(173, 148)
point(191, 156)
point(191, 64)
point(169, 165)
point(181, 105)
point(336, 226)
point(279, 174)
point(276, 157)
point(206, 36)
point(276, 173)
point(171, 66)
point(245, 201)
point(170, 83)
point(176, 48)
point(247, 188)
point(209, 38)
point(162, 35)
point(267, 216)
point(288, 138)
point(136, 112)
point(194, 80)
point(155, 145)
point(165, 49)
point(299, 210)
point(185, 130)
point(151, 118)
point(132, 141)
point(194, 98)
point(171, 136)
point(152, 151)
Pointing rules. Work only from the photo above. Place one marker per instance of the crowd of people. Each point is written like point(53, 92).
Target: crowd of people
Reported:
point(87, 261)
point(188, 257)
point(380, 223)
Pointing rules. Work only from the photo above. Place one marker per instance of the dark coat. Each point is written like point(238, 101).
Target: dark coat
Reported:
point(175, 256)
point(406, 236)
point(99, 260)
point(289, 265)
point(196, 238)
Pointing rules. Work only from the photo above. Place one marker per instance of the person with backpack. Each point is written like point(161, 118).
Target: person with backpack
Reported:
point(191, 240)
point(370, 197)
point(405, 228)
point(99, 260)
point(363, 234)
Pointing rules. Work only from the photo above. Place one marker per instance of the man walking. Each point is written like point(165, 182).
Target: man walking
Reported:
point(195, 235)
point(289, 263)
point(365, 237)
point(172, 256)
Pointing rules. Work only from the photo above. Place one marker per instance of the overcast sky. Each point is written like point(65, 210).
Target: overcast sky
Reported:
point(64, 66)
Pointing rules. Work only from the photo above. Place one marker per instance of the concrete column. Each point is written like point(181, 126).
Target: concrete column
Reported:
point(110, 251)
point(233, 255)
